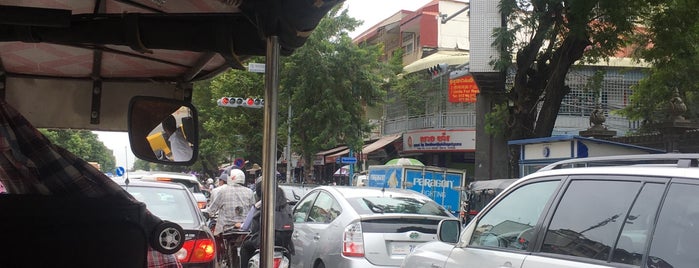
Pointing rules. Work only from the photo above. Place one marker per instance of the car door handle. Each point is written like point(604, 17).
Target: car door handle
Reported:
point(434, 265)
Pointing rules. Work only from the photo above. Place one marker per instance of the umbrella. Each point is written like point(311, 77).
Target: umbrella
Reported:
point(405, 161)
point(343, 171)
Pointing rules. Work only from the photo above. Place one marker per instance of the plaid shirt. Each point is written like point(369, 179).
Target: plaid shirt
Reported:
point(232, 204)
point(30, 164)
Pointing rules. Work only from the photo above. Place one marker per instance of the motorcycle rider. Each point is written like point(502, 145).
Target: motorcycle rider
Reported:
point(281, 237)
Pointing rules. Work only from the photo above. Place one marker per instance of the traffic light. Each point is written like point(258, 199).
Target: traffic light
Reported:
point(254, 103)
point(240, 102)
point(438, 70)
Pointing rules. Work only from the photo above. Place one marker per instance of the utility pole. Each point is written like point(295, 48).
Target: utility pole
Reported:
point(288, 146)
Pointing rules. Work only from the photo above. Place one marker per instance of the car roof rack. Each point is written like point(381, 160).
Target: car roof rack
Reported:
point(671, 159)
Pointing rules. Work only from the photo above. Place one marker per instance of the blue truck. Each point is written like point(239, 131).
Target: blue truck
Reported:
point(443, 185)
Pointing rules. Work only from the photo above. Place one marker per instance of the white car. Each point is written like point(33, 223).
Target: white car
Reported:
point(627, 215)
point(190, 181)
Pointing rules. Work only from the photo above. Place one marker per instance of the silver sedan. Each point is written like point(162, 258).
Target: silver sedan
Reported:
point(344, 226)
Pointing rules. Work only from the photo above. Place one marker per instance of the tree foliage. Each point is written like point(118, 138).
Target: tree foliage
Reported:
point(329, 81)
point(84, 144)
point(547, 38)
point(669, 43)
point(227, 133)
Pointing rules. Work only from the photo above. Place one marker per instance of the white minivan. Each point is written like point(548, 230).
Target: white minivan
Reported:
point(643, 213)
point(188, 180)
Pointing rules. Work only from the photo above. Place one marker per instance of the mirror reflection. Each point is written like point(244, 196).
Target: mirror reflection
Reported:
point(163, 130)
point(169, 140)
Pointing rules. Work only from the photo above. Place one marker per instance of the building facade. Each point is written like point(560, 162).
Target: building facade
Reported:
point(440, 128)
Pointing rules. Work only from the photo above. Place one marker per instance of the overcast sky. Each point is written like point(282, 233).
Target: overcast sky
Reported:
point(374, 11)
point(369, 11)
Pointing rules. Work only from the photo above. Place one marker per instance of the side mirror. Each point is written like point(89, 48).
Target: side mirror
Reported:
point(163, 130)
point(448, 231)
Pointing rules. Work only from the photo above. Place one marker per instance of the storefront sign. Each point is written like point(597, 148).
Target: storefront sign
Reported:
point(463, 89)
point(440, 140)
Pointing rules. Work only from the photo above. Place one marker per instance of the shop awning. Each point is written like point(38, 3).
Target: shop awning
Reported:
point(380, 143)
point(442, 56)
point(333, 150)
point(331, 158)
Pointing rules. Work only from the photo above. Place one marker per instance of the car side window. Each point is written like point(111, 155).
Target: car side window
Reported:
point(324, 210)
point(589, 217)
point(676, 237)
point(302, 208)
point(509, 224)
point(632, 241)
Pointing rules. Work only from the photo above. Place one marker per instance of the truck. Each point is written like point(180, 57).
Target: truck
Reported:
point(443, 185)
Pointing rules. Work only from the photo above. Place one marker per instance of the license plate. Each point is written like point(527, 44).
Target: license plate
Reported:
point(402, 248)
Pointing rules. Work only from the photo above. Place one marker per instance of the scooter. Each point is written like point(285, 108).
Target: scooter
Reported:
point(281, 258)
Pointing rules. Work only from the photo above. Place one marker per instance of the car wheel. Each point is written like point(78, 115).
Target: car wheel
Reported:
point(167, 238)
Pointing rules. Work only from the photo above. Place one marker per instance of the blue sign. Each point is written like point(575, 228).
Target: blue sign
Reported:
point(348, 160)
point(120, 171)
point(239, 162)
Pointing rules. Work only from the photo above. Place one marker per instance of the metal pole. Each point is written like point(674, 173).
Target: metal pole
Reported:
point(288, 145)
point(269, 152)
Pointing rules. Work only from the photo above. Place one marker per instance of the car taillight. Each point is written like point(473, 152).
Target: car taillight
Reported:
point(280, 261)
point(200, 250)
point(353, 242)
point(201, 205)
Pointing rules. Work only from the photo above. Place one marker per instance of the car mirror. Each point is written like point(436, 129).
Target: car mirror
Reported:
point(206, 214)
point(448, 231)
point(163, 130)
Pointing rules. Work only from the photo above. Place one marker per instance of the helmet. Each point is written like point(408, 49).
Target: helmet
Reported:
point(210, 180)
point(237, 176)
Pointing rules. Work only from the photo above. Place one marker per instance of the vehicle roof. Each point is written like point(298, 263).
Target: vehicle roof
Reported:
point(174, 175)
point(158, 184)
point(63, 50)
point(634, 170)
point(353, 191)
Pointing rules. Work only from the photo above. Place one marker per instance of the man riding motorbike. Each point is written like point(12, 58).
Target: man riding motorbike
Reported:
point(283, 225)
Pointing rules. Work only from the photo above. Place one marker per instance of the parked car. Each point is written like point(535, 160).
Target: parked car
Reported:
point(347, 226)
point(294, 192)
point(174, 202)
point(640, 213)
point(188, 180)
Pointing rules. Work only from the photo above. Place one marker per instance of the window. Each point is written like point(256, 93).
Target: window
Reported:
point(302, 208)
point(589, 217)
point(632, 241)
point(510, 222)
point(676, 237)
point(325, 209)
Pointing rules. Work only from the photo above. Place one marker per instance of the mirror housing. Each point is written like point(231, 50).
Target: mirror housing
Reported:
point(163, 130)
point(448, 231)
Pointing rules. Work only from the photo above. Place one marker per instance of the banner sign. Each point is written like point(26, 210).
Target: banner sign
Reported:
point(463, 89)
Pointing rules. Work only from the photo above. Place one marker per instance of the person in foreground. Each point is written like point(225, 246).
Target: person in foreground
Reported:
point(31, 165)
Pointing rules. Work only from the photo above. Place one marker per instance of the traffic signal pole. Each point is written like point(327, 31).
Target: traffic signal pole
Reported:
point(269, 152)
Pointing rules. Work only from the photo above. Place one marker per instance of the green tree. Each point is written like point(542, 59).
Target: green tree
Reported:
point(558, 33)
point(331, 81)
point(228, 132)
point(84, 144)
point(542, 40)
point(669, 43)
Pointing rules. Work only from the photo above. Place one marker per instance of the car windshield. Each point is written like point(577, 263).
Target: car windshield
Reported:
point(168, 204)
point(396, 204)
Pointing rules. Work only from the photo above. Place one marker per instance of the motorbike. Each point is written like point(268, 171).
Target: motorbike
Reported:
point(281, 258)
